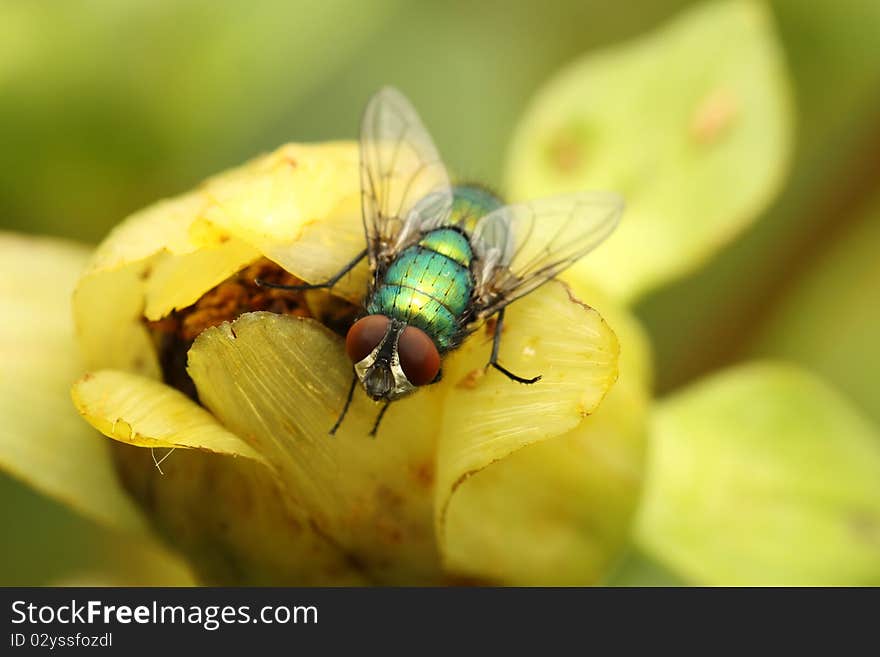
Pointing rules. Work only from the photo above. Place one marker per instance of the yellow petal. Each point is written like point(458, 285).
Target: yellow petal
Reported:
point(281, 382)
point(532, 488)
point(173, 283)
point(207, 505)
point(300, 206)
point(108, 302)
point(763, 475)
point(42, 440)
point(137, 410)
point(232, 520)
point(163, 226)
point(160, 259)
point(108, 309)
point(297, 206)
point(549, 334)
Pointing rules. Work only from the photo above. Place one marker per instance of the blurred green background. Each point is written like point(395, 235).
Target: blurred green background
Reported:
point(106, 106)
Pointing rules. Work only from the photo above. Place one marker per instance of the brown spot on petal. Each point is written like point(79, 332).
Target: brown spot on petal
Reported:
point(713, 116)
point(423, 473)
point(566, 150)
point(866, 527)
point(388, 504)
point(568, 147)
point(388, 531)
point(388, 499)
point(470, 380)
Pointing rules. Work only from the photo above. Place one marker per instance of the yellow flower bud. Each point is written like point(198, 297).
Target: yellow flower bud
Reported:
point(476, 477)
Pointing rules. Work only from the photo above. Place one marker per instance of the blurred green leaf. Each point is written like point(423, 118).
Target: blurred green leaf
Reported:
point(48, 543)
point(636, 569)
point(830, 321)
point(108, 105)
point(763, 475)
point(457, 55)
point(837, 93)
point(691, 124)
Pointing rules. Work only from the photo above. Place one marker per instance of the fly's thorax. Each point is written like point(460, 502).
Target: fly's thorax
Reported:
point(451, 243)
point(429, 285)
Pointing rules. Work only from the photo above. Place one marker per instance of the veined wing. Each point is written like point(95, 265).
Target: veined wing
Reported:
point(403, 179)
point(524, 245)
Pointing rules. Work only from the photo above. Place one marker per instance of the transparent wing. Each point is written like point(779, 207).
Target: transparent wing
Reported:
point(403, 179)
point(522, 246)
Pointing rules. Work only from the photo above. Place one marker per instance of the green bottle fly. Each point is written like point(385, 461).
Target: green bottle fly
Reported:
point(444, 257)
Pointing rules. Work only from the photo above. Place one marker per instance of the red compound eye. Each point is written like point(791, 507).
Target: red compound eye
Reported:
point(418, 356)
point(364, 336)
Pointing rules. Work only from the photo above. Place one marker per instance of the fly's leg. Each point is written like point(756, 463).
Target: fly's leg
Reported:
point(496, 344)
point(347, 404)
point(379, 419)
point(330, 282)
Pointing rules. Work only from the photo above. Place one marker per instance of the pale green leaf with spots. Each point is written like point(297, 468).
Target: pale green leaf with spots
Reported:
point(691, 124)
point(763, 475)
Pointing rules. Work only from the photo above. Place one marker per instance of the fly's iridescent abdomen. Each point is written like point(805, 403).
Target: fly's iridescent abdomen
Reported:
point(426, 288)
point(429, 285)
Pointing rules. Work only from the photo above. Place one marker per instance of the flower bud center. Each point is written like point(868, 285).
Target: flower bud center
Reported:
point(174, 334)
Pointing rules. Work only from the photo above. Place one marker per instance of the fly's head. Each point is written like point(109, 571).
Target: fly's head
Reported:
point(391, 359)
